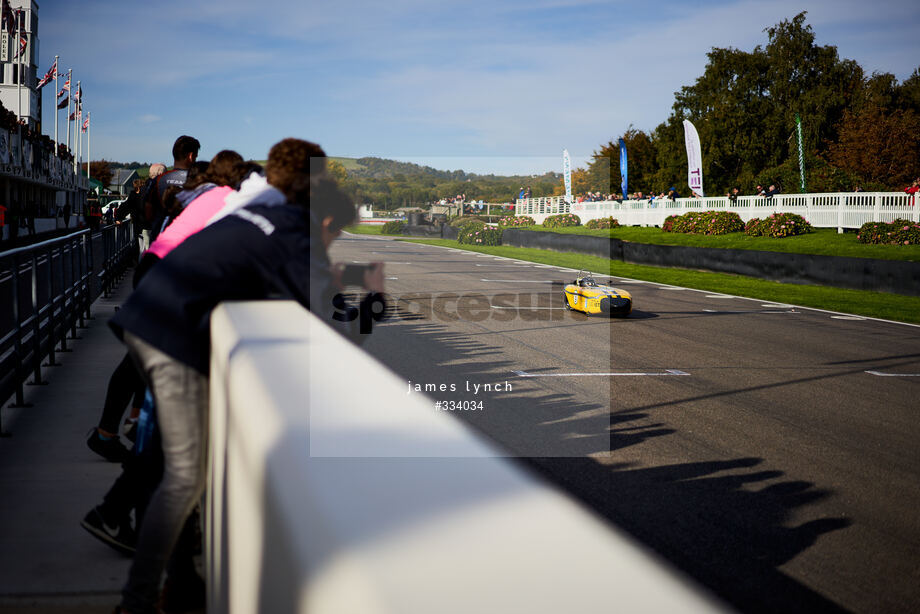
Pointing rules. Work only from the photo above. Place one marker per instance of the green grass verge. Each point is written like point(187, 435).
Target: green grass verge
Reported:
point(822, 242)
point(860, 302)
point(364, 229)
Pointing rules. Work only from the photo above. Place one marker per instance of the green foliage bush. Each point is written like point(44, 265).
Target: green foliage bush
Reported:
point(480, 234)
point(752, 228)
point(512, 221)
point(563, 220)
point(898, 232)
point(393, 228)
point(668, 225)
point(704, 223)
point(778, 225)
point(604, 222)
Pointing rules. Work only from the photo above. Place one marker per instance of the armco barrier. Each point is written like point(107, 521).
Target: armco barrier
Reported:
point(895, 276)
point(331, 490)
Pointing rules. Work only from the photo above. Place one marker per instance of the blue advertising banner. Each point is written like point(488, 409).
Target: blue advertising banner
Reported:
point(623, 165)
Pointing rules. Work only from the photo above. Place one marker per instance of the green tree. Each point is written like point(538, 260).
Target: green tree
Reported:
point(642, 163)
point(337, 170)
point(744, 107)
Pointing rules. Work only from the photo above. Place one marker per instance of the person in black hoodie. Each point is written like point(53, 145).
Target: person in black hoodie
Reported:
point(253, 253)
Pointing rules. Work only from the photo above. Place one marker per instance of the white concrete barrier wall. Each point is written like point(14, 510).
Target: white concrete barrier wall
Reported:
point(832, 210)
point(331, 490)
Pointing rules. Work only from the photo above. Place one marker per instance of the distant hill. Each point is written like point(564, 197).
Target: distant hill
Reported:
point(379, 168)
point(390, 183)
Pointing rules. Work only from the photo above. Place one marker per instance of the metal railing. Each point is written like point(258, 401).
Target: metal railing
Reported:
point(832, 210)
point(46, 290)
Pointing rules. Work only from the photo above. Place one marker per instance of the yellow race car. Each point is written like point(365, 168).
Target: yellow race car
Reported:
point(585, 294)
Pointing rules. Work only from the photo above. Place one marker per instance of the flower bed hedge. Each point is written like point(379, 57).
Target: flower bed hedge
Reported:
point(511, 221)
point(778, 225)
point(898, 232)
point(393, 228)
point(478, 233)
point(704, 223)
point(563, 220)
point(604, 222)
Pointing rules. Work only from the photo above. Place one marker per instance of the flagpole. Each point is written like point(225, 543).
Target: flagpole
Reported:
point(67, 116)
point(89, 127)
point(55, 105)
point(76, 129)
point(19, 80)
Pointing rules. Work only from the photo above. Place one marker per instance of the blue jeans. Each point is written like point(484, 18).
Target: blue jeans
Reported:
point(181, 395)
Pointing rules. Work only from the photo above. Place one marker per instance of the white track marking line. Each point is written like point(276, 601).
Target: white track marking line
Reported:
point(855, 318)
point(524, 308)
point(392, 278)
point(745, 298)
point(880, 374)
point(673, 288)
point(719, 296)
point(755, 311)
point(518, 281)
point(666, 372)
point(517, 266)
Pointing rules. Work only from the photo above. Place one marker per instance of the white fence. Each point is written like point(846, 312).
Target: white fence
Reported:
point(831, 210)
point(331, 490)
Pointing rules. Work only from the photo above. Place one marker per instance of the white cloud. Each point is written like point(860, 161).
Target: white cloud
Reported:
point(149, 118)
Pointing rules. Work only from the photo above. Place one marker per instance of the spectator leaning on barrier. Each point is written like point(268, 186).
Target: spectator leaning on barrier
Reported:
point(912, 189)
point(733, 195)
point(185, 152)
point(253, 252)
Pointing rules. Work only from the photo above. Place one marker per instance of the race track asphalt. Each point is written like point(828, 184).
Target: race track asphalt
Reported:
point(769, 451)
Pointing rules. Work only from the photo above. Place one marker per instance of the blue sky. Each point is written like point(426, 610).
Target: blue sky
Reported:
point(483, 86)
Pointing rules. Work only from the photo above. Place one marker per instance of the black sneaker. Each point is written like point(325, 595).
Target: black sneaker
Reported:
point(119, 535)
point(110, 449)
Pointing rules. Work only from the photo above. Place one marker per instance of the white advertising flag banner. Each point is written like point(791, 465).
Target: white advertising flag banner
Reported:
point(567, 173)
point(694, 158)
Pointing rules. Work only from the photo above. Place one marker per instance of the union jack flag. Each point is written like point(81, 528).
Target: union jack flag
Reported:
point(78, 95)
point(86, 123)
point(66, 87)
point(63, 103)
point(22, 46)
point(48, 76)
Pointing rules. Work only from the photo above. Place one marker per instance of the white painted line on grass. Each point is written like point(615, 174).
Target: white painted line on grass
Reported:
point(880, 374)
point(666, 372)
